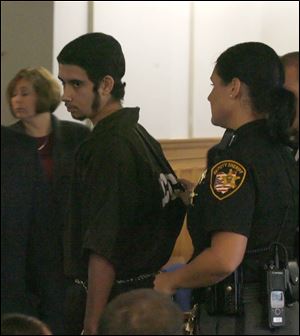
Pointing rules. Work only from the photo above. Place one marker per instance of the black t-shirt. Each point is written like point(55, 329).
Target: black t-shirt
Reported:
point(123, 203)
point(250, 188)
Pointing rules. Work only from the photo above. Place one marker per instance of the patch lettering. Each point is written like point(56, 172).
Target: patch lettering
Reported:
point(226, 178)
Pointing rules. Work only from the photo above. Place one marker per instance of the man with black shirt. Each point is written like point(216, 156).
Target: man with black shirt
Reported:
point(125, 214)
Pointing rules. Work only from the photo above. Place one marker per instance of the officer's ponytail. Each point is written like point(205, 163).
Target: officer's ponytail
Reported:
point(281, 113)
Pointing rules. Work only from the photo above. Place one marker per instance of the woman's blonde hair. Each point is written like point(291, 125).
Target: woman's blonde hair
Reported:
point(44, 84)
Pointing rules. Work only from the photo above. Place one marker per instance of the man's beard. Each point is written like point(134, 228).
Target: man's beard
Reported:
point(95, 107)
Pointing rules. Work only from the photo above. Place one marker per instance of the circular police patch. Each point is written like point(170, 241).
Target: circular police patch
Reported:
point(226, 178)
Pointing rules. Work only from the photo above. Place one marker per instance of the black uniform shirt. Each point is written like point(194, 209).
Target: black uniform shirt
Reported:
point(250, 188)
point(123, 205)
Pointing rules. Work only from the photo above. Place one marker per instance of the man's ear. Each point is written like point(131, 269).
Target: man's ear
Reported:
point(106, 85)
point(235, 87)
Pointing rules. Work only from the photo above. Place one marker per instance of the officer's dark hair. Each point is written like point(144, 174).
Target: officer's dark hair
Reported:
point(99, 55)
point(141, 312)
point(260, 68)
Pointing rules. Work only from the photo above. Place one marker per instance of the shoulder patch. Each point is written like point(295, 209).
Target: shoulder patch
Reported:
point(226, 178)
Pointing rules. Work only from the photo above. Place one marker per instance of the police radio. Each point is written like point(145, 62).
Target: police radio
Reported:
point(276, 277)
point(276, 299)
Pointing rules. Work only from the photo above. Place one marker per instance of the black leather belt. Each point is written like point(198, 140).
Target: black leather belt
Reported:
point(252, 292)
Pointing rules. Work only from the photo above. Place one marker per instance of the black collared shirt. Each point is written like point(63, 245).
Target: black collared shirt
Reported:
point(123, 205)
point(250, 188)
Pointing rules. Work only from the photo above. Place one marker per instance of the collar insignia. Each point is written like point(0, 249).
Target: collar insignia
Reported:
point(226, 178)
point(202, 176)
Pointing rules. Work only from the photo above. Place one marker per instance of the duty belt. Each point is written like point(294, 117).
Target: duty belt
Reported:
point(252, 292)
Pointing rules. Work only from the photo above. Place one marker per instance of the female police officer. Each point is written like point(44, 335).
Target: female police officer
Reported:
point(246, 201)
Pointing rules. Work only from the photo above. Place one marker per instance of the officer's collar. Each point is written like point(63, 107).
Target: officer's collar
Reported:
point(250, 127)
point(227, 140)
point(230, 136)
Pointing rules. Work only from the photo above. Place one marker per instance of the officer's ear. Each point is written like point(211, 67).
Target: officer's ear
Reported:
point(235, 87)
point(106, 85)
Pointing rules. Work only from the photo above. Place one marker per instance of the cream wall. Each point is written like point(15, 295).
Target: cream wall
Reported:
point(26, 41)
point(218, 25)
point(70, 20)
point(221, 24)
point(155, 37)
point(170, 49)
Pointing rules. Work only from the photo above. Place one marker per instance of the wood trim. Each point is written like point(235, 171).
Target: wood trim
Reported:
point(187, 153)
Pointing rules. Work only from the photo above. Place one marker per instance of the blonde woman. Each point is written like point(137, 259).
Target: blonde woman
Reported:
point(33, 95)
